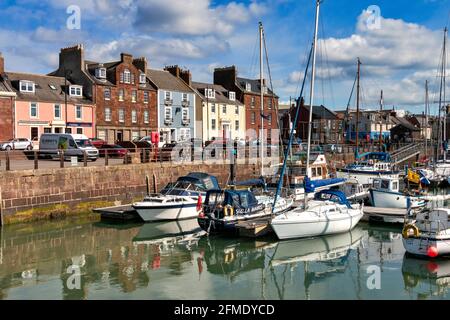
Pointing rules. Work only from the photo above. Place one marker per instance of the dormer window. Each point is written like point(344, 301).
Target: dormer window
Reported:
point(248, 86)
point(232, 95)
point(76, 91)
point(210, 93)
point(27, 86)
point(142, 78)
point(100, 73)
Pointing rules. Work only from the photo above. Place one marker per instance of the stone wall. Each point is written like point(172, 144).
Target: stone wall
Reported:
point(42, 194)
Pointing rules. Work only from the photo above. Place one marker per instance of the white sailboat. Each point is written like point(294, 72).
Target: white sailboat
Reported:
point(329, 212)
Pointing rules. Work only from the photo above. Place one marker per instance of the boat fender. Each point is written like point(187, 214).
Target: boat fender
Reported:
point(408, 228)
point(228, 211)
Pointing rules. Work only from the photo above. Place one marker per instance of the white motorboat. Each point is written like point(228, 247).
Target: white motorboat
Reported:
point(181, 200)
point(329, 213)
point(385, 194)
point(369, 166)
point(428, 234)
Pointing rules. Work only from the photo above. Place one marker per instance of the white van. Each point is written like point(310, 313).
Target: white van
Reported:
point(73, 145)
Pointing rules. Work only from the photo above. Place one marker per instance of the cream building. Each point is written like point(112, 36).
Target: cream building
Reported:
point(222, 113)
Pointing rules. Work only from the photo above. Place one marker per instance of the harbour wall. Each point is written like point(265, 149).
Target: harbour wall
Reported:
point(30, 195)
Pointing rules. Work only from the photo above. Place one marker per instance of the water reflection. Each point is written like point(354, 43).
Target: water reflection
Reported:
point(424, 278)
point(176, 261)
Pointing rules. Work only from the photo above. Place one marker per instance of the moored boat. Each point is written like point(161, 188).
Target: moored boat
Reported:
point(329, 213)
point(177, 201)
point(385, 194)
point(428, 235)
point(224, 209)
point(369, 166)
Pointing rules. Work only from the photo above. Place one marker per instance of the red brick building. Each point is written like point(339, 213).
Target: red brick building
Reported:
point(125, 99)
point(7, 96)
point(248, 91)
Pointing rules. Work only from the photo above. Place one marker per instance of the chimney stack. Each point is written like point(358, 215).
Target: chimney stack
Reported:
point(174, 70)
point(2, 64)
point(126, 57)
point(72, 58)
point(226, 77)
point(141, 64)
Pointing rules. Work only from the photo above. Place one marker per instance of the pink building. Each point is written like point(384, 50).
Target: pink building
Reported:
point(48, 104)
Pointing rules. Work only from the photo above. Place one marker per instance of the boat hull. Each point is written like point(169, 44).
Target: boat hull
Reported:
point(419, 246)
point(388, 199)
point(312, 226)
point(167, 212)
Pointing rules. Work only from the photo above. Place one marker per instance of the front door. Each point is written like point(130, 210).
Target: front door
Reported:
point(119, 135)
point(34, 134)
point(226, 131)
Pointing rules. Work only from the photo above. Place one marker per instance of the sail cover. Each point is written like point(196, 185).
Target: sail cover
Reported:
point(317, 185)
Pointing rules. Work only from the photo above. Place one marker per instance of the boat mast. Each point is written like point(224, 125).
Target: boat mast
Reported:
point(442, 95)
point(311, 96)
point(357, 104)
point(381, 121)
point(426, 119)
point(444, 75)
point(261, 79)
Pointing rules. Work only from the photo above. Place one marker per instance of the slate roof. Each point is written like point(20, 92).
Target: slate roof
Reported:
point(255, 86)
point(399, 121)
point(166, 81)
point(221, 93)
point(321, 112)
point(43, 91)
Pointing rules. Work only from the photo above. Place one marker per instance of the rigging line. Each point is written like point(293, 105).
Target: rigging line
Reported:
point(327, 62)
point(252, 70)
point(271, 88)
point(305, 58)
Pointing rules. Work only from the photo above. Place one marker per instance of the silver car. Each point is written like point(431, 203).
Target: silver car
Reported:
point(17, 144)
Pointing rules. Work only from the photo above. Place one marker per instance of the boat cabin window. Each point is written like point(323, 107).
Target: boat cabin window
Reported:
point(215, 198)
point(395, 186)
point(376, 184)
point(384, 184)
point(319, 171)
point(313, 172)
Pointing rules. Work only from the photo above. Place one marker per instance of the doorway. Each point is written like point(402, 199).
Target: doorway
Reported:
point(119, 135)
point(34, 133)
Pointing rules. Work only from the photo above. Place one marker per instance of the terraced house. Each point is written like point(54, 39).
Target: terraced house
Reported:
point(48, 104)
point(125, 99)
point(223, 115)
point(176, 104)
point(7, 97)
point(248, 91)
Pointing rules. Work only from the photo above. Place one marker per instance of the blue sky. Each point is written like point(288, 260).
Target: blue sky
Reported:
point(202, 34)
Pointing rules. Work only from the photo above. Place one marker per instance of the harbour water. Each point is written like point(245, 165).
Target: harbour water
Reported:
point(83, 259)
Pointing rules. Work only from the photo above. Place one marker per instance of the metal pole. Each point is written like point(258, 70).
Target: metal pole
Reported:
point(381, 121)
point(311, 97)
point(426, 119)
point(261, 75)
point(357, 105)
point(36, 165)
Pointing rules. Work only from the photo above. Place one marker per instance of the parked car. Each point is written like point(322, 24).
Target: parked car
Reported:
point(73, 145)
point(17, 144)
point(175, 151)
point(113, 150)
point(96, 142)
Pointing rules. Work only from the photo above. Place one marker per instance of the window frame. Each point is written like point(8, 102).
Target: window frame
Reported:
point(37, 110)
point(134, 116)
point(108, 114)
point(79, 108)
point(27, 83)
point(121, 113)
point(55, 106)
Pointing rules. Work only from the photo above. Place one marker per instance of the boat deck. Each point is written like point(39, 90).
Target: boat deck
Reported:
point(122, 213)
point(254, 228)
